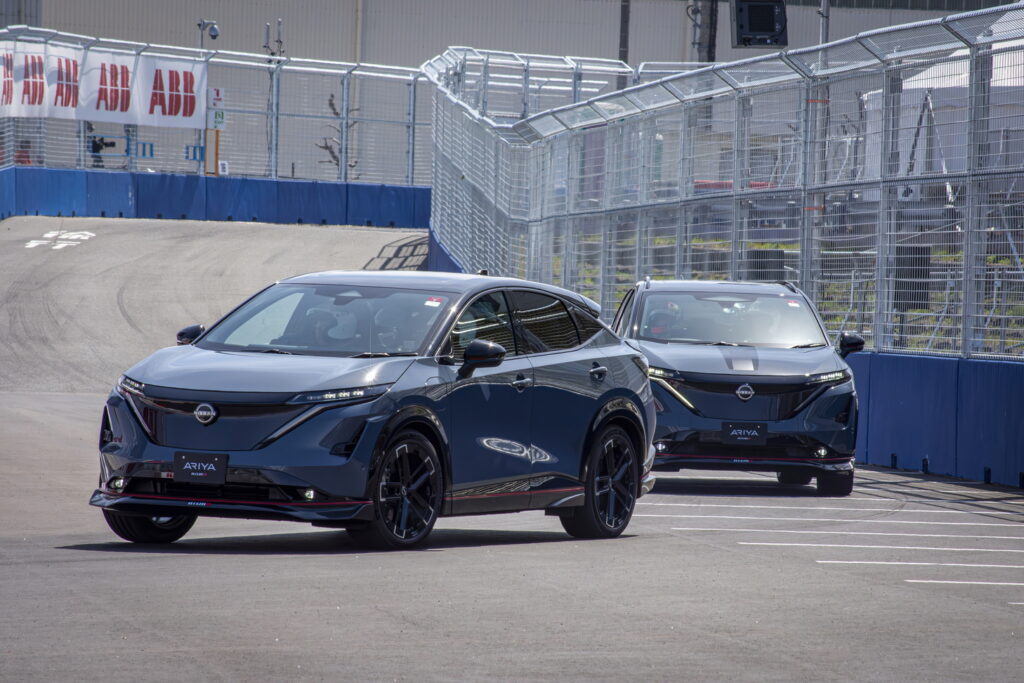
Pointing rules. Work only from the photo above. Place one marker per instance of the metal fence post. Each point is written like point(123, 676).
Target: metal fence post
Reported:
point(275, 123)
point(343, 126)
point(410, 140)
point(977, 149)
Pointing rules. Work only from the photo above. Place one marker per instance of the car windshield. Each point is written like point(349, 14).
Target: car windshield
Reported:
point(730, 319)
point(330, 320)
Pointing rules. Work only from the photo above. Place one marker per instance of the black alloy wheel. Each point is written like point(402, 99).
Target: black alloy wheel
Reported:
point(140, 529)
point(406, 491)
point(793, 478)
point(611, 485)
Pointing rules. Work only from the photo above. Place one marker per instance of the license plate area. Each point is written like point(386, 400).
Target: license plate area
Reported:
point(744, 433)
point(208, 469)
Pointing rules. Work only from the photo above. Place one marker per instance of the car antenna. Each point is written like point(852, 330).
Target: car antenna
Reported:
point(482, 271)
point(647, 281)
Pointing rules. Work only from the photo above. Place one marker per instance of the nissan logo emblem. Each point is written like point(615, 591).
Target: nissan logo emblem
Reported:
point(745, 392)
point(205, 413)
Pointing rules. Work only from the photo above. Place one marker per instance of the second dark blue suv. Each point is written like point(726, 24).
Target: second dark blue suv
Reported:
point(744, 378)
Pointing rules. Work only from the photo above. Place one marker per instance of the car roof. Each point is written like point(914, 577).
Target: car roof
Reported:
point(461, 283)
point(728, 286)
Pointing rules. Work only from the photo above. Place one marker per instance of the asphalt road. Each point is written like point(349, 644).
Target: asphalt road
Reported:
point(719, 577)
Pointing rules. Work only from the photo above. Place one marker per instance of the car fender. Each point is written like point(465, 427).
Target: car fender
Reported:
point(617, 407)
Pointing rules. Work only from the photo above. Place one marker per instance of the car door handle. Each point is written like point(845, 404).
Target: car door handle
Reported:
point(598, 372)
point(521, 382)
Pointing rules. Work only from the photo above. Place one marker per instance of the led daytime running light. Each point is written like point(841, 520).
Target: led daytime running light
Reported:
point(837, 376)
point(659, 372)
point(354, 394)
point(130, 386)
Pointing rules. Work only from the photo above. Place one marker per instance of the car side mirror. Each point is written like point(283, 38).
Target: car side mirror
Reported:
point(187, 335)
point(480, 354)
point(850, 343)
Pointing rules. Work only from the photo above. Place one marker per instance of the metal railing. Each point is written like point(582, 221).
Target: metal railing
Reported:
point(285, 118)
point(884, 173)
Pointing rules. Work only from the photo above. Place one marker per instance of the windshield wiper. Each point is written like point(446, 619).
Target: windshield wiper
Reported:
point(287, 353)
point(384, 354)
point(808, 345)
point(725, 343)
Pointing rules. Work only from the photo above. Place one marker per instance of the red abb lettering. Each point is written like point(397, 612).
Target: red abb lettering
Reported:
point(179, 97)
point(7, 94)
point(115, 88)
point(33, 81)
point(66, 94)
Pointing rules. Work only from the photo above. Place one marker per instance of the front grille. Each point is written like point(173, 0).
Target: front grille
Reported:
point(255, 493)
point(771, 401)
point(238, 426)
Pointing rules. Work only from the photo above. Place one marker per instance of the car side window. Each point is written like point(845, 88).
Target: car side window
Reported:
point(588, 326)
point(544, 322)
point(486, 318)
point(625, 312)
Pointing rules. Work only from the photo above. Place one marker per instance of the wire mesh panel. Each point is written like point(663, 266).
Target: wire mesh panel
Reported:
point(585, 254)
point(923, 271)
point(623, 251)
point(842, 241)
point(768, 231)
point(996, 326)
point(845, 115)
point(710, 231)
point(773, 137)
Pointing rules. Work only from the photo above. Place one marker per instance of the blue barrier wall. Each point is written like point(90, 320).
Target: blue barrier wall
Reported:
point(26, 190)
point(438, 258)
point(960, 414)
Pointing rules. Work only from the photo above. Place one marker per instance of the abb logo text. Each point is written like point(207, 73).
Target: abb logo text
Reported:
point(66, 94)
point(7, 94)
point(115, 93)
point(33, 81)
point(177, 98)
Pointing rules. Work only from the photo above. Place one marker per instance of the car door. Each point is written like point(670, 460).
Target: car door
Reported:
point(569, 378)
point(489, 414)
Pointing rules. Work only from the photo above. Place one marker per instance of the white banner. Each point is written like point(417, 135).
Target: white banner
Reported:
point(70, 83)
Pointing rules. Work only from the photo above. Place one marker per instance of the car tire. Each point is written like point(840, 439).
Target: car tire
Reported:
point(793, 478)
point(835, 483)
point(140, 529)
point(611, 487)
point(406, 489)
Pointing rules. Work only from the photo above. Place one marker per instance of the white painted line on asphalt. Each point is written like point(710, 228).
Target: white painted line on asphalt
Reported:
point(844, 521)
point(967, 583)
point(852, 533)
point(926, 564)
point(842, 509)
point(882, 547)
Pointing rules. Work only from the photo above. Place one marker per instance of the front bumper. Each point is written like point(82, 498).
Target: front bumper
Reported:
point(322, 514)
point(684, 439)
point(648, 480)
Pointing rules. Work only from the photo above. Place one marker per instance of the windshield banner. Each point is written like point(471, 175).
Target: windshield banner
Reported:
point(64, 82)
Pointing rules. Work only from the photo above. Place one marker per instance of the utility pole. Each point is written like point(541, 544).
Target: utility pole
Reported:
point(623, 40)
point(704, 15)
point(823, 12)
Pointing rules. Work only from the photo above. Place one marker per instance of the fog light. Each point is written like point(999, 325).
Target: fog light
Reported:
point(821, 452)
point(309, 494)
point(660, 447)
point(118, 483)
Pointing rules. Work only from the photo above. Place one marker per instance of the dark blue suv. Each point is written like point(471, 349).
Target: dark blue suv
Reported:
point(377, 402)
point(744, 378)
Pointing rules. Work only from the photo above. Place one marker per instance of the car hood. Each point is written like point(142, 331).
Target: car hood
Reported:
point(741, 360)
point(190, 367)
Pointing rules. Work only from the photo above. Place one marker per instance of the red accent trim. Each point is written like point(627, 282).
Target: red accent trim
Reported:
point(752, 458)
point(514, 493)
point(234, 502)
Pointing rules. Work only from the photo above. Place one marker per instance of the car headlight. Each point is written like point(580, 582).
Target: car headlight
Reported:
point(126, 385)
point(837, 377)
point(660, 373)
point(353, 395)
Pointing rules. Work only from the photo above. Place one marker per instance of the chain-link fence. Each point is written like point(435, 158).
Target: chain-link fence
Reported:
point(884, 173)
point(285, 118)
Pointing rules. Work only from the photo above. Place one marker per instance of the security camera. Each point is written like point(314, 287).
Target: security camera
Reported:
point(214, 32)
